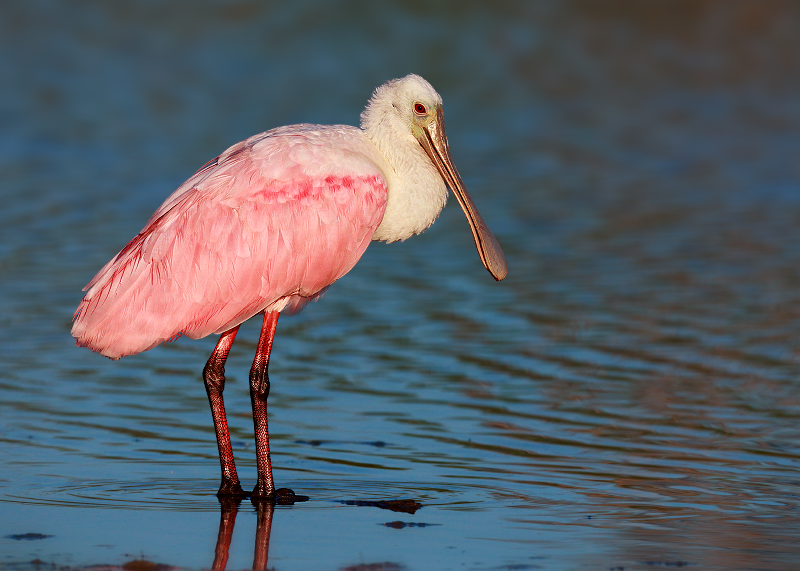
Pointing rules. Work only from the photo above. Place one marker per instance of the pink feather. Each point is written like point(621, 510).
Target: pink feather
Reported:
point(268, 225)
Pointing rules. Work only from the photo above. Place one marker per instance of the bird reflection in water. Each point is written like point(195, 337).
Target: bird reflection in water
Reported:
point(229, 509)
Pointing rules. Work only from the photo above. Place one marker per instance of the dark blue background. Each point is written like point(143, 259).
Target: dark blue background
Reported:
point(627, 397)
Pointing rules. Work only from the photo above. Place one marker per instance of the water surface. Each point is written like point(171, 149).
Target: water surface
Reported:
point(627, 398)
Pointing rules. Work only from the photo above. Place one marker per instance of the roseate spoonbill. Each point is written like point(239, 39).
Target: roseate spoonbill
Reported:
point(268, 226)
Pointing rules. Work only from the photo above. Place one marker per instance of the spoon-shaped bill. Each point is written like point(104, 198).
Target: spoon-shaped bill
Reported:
point(434, 140)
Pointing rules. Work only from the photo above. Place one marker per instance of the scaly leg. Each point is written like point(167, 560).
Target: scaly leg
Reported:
point(214, 379)
point(259, 391)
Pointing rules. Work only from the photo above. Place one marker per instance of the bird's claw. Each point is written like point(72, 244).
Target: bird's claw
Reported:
point(281, 497)
point(229, 489)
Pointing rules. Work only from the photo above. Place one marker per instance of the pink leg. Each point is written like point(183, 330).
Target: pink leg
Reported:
point(259, 391)
point(214, 378)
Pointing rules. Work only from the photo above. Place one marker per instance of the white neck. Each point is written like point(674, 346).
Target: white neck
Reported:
point(417, 192)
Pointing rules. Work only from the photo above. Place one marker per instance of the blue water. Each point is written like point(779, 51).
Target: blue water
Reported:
point(626, 398)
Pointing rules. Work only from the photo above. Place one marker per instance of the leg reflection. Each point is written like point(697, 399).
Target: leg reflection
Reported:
point(229, 507)
point(263, 529)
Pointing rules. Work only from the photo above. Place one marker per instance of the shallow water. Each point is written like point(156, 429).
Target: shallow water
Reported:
point(627, 398)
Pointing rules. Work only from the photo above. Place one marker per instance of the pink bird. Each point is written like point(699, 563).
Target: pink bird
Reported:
point(267, 227)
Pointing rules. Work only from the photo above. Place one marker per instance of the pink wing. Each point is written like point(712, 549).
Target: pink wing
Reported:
point(268, 225)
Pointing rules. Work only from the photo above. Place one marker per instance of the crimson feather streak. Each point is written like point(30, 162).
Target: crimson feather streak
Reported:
point(254, 231)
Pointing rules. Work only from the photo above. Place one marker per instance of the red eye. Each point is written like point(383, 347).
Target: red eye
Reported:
point(420, 109)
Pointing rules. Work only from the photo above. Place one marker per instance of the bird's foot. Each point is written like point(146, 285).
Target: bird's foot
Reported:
point(229, 489)
point(281, 496)
point(285, 496)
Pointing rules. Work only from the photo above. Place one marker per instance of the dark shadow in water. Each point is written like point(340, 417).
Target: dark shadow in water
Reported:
point(405, 506)
point(402, 524)
point(28, 536)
